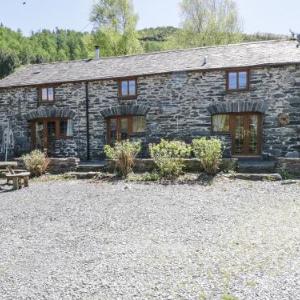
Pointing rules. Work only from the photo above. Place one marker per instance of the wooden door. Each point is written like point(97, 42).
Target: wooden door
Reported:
point(44, 134)
point(246, 134)
point(118, 129)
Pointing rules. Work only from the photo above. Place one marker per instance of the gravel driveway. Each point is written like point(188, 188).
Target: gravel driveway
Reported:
point(81, 240)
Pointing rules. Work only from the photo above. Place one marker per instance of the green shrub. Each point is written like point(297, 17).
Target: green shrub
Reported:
point(36, 162)
point(124, 154)
point(168, 157)
point(209, 152)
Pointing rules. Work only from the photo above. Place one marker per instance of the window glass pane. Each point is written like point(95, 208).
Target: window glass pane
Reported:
point(220, 123)
point(50, 94)
point(51, 127)
point(63, 127)
point(132, 87)
point(113, 130)
point(232, 80)
point(44, 94)
point(124, 88)
point(124, 128)
point(243, 79)
point(69, 128)
point(138, 124)
point(39, 135)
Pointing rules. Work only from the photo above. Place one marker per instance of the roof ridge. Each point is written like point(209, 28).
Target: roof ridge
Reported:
point(158, 52)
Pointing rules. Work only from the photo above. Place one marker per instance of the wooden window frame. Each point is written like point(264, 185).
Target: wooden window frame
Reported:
point(40, 94)
point(238, 89)
point(58, 134)
point(118, 123)
point(127, 97)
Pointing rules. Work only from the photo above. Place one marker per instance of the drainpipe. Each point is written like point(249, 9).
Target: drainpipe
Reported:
point(87, 106)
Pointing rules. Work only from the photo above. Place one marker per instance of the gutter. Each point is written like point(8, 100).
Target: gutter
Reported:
point(87, 108)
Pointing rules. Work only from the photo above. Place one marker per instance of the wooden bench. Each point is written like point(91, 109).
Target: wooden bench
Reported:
point(18, 178)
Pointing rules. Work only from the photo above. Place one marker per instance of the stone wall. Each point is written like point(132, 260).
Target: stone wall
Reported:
point(289, 165)
point(178, 106)
point(57, 165)
point(191, 165)
point(19, 106)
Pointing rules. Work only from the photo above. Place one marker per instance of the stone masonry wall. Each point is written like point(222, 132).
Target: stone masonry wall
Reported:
point(179, 104)
point(178, 107)
point(17, 104)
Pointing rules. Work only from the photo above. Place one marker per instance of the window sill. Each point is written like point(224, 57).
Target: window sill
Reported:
point(127, 98)
point(46, 103)
point(237, 91)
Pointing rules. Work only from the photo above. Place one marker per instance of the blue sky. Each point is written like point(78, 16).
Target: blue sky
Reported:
point(275, 16)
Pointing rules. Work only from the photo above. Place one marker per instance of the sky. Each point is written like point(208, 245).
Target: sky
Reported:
point(274, 16)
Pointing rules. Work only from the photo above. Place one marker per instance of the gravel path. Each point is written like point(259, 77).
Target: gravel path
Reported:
point(80, 240)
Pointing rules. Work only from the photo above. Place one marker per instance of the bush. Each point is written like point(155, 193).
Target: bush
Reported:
point(124, 154)
point(168, 157)
point(36, 162)
point(209, 152)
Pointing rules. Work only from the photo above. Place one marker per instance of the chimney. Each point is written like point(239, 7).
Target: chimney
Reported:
point(97, 52)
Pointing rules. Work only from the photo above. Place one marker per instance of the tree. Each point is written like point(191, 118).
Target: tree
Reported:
point(210, 15)
point(8, 62)
point(117, 15)
point(115, 21)
point(208, 22)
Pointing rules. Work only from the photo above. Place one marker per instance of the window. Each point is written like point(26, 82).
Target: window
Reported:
point(122, 127)
point(138, 124)
point(47, 94)
point(220, 123)
point(238, 80)
point(128, 88)
point(54, 128)
point(45, 133)
point(66, 128)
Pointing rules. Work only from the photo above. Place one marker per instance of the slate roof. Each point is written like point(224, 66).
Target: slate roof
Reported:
point(218, 57)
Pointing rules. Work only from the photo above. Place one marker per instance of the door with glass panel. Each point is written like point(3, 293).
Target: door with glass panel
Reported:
point(123, 127)
point(246, 134)
point(45, 133)
point(245, 130)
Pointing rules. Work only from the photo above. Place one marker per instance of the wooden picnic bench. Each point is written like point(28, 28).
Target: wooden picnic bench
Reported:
point(8, 164)
point(18, 178)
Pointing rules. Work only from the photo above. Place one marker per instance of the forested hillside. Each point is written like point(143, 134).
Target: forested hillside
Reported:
point(47, 46)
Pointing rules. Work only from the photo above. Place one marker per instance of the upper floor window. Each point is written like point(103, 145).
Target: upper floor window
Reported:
point(47, 94)
point(128, 88)
point(238, 80)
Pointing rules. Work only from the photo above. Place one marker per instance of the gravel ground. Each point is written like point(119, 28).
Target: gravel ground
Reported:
point(82, 240)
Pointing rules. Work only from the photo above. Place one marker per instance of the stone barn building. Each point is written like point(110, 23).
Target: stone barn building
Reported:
point(247, 94)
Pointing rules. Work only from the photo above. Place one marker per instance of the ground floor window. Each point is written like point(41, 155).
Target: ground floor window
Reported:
point(220, 123)
point(245, 130)
point(46, 131)
point(122, 127)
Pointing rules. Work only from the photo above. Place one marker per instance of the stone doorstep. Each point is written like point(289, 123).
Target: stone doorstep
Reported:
point(256, 166)
point(257, 177)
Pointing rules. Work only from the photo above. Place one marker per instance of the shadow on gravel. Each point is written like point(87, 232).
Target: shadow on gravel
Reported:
point(3, 188)
point(190, 179)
